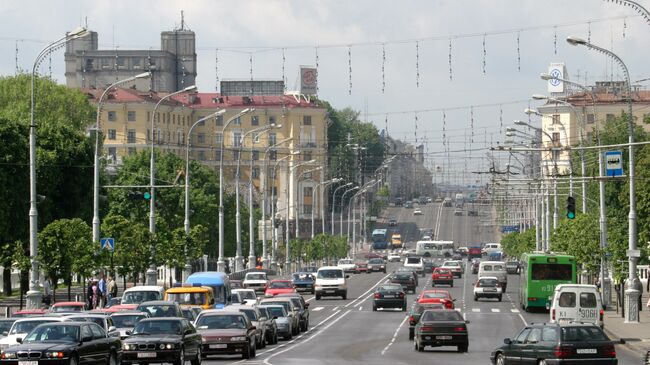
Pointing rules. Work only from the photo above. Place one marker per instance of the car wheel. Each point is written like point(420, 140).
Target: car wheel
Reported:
point(198, 358)
point(500, 297)
point(246, 354)
point(475, 298)
point(275, 339)
point(317, 297)
point(462, 348)
point(404, 308)
point(374, 308)
point(73, 360)
point(112, 359)
point(433, 284)
point(501, 360)
point(181, 358)
point(541, 362)
point(419, 347)
point(289, 336)
point(345, 296)
point(254, 351)
point(452, 284)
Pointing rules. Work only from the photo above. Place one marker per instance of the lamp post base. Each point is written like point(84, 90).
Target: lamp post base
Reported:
point(34, 299)
point(152, 276)
point(221, 266)
point(632, 306)
point(251, 262)
point(239, 263)
point(187, 271)
point(287, 268)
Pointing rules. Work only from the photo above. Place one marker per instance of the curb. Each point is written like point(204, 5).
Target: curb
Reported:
point(628, 342)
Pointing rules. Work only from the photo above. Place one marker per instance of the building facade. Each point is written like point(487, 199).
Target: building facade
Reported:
point(297, 126)
point(407, 176)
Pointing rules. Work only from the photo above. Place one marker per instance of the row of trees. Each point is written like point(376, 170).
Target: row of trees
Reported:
point(581, 236)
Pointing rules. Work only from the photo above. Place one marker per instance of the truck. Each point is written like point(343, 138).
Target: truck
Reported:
point(460, 200)
point(380, 239)
point(396, 240)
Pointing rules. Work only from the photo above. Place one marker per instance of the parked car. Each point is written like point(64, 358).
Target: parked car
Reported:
point(304, 281)
point(488, 287)
point(437, 296)
point(77, 342)
point(512, 267)
point(570, 343)
point(125, 321)
point(163, 340)
point(441, 328)
point(279, 286)
point(405, 279)
point(256, 280)
point(160, 308)
point(416, 313)
point(227, 332)
point(442, 276)
point(282, 318)
point(389, 296)
point(377, 264)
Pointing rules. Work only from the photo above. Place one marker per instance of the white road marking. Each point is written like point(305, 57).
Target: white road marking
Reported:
point(476, 310)
point(317, 309)
point(394, 336)
point(335, 308)
point(437, 225)
point(360, 307)
point(496, 310)
point(513, 310)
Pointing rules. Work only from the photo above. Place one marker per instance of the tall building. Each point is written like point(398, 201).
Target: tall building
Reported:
point(407, 177)
point(173, 67)
point(126, 124)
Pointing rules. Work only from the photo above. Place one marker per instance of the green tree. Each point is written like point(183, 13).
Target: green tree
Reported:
point(579, 237)
point(132, 254)
point(514, 244)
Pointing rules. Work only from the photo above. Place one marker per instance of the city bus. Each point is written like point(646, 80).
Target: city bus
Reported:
point(218, 281)
point(380, 239)
point(540, 273)
point(434, 248)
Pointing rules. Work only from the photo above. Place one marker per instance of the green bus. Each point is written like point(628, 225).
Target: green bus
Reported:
point(540, 273)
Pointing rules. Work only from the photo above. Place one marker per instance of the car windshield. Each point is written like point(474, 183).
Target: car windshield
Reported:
point(498, 268)
point(53, 333)
point(413, 260)
point(433, 295)
point(256, 276)
point(424, 307)
point(276, 311)
point(376, 261)
point(403, 276)
point(390, 288)
point(303, 276)
point(67, 308)
point(442, 271)
point(25, 327)
point(438, 315)
point(127, 321)
point(285, 304)
point(98, 320)
point(5, 326)
point(159, 310)
point(137, 297)
point(330, 274)
point(221, 321)
point(250, 313)
point(488, 282)
point(511, 264)
point(575, 334)
point(247, 294)
point(280, 285)
point(158, 327)
point(187, 298)
point(451, 263)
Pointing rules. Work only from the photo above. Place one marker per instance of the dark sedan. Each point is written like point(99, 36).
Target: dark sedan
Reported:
point(227, 333)
point(416, 313)
point(410, 270)
point(376, 264)
point(163, 340)
point(303, 281)
point(552, 343)
point(65, 343)
point(441, 328)
point(389, 296)
point(404, 279)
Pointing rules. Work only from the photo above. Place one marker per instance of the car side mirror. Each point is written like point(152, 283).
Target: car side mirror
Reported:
point(128, 333)
point(453, 300)
point(622, 341)
point(211, 301)
point(467, 321)
point(275, 317)
point(548, 306)
point(306, 305)
point(19, 339)
point(347, 276)
point(112, 329)
point(187, 332)
point(86, 339)
point(507, 341)
point(5, 333)
point(253, 328)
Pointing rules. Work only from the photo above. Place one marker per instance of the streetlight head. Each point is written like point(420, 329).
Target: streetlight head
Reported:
point(530, 111)
point(519, 122)
point(217, 113)
point(511, 129)
point(78, 32)
point(310, 162)
point(574, 41)
point(296, 152)
point(510, 134)
point(190, 88)
point(277, 125)
point(539, 97)
point(545, 76)
point(143, 75)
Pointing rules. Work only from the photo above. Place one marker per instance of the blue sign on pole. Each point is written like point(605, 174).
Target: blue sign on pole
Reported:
point(107, 244)
point(614, 163)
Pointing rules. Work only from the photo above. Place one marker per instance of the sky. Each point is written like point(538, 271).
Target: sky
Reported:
point(498, 50)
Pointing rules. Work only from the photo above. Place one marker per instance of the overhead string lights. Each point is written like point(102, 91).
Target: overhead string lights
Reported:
point(588, 32)
point(383, 68)
point(386, 125)
point(17, 68)
point(416, 129)
point(484, 54)
point(624, 26)
point(316, 51)
point(284, 75)
point(450, 70)
point(349, 70)
point(518, 52)
point(500, 119)
point(417, 64)
point(471, 122)
point(216, 69)
point(555, 40)
point(250, 63)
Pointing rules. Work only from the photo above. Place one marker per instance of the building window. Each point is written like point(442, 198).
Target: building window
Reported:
point(236, 138)
point(112, 153)
point(120, 62)
point(136, 62)
point(306, 209)
point(173, 118)
point(130, 136)
point(256, 172)
point(217, 155)
point(306, 120)
point(148, 135)
point(218, 138)
point(555, 118)
point(112, 134)
point(169, 136)
point(273, 155)
point(180, 137)
point(274, 191)
point(556, 137)
point(591, 118)
point(255, 120)
point(201, 138)
point(272, 120)
point(272, 139)
point(106, 63)
point(218, 120)
point(131, 151)
point(89, 64)
point(307, 191)
point(201, 123)
point(237, 121)
point(112, 116)
point(201, 155)
point(256, 155)
point(306, 156)
point(130, 116)
point(235, 154)
point(610, 117)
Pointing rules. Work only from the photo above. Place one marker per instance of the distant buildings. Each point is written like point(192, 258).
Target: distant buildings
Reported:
point(407, 176)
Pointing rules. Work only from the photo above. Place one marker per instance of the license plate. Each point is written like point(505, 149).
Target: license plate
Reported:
point(443, 337)
point(389, 296)
point(143, 355)
point(490, 289)
point(330, 291)
point(219, 346)
point(586, 351)
point(27, 362)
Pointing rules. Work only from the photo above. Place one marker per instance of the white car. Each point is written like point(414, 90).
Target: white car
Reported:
point(347, 265)
point(417, 211)
point(416, 263)
point(394, 257)
point(256, 280)
point(488, 287)
point(248, 296)
point(23, 326)
point(455, 266)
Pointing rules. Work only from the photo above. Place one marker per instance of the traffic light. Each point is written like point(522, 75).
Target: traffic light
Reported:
point(570, 207)
point(138, 195)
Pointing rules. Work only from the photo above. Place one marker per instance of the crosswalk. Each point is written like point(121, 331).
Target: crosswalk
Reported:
point(494, 310)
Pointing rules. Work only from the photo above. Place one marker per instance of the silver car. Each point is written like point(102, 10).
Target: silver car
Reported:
point(282, 320)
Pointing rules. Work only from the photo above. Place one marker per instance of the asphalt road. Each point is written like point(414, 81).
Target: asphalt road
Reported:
point(349, 332)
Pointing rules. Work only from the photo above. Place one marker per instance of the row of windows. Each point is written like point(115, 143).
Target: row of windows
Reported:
point(591, 118)
point(173, 118)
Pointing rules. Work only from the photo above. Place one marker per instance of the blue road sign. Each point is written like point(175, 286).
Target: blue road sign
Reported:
point(107, 244)
point(614, 163)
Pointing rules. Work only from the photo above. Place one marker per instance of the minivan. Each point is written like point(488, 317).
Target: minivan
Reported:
point(494, 268)
point(576, 303)
point(488, 248)
point(331, 281)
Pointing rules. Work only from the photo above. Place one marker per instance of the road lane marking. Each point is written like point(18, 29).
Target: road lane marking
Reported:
point(317, 309)
point(360, 307)
point(514, 310)
point(383, 279)
point(335, 308)
point(394, 336)
point(476, 310)
point(496, 310)
point(437, 224)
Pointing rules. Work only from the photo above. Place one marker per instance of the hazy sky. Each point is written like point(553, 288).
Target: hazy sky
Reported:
point(263, 28)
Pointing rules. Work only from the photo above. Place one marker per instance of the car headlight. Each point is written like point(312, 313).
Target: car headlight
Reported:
point(128, 347)
point(55, 355)
point(317, 287)
point(166, 346)
point(8, 355)
point(238, 338)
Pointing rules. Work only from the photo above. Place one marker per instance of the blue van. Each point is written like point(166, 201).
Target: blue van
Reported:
point(218, 281)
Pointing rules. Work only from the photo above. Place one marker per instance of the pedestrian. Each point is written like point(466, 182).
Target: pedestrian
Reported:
point(111, 287)
point(102, 290)
point(89, 294)
point(647, 281)
point(47, 292)
point(95, 296)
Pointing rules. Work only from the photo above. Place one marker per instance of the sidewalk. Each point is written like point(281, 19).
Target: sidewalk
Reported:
point(636, 335)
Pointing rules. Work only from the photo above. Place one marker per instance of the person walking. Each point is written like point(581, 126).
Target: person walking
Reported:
point(102, 291)
point(47, 292)
point(111, 287)
point(89, 294)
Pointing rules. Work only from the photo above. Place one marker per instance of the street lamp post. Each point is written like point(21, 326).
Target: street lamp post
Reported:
point(633, 284)
point(290, 177)
point(322, 204)
point(100, 105)
point(34, 295)
point(343, 207)
point(334, 203)
point(274, 238)
point(221, 264)
point(298, 199)
point(186, 223)
point(152, 273)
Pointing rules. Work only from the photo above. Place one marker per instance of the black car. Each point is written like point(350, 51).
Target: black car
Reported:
point(512, 267)
point(65, 343)
point(160, 308)
point(392, 222)
point(570, 343)
point(376, 264)
point(303, 281)
point(163, 340)
point(389, 296)
point(405, 279)
point(441, 328)
point(410, 270)
point(429, 266)
point(416, 313)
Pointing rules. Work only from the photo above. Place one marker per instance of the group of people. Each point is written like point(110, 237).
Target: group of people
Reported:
point(100, 292)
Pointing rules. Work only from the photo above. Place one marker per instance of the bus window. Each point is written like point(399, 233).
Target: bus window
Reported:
point(551, 272)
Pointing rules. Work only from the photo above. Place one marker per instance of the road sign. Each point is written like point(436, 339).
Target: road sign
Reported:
point(614, 163)
point(634, 253)
point(107, 244)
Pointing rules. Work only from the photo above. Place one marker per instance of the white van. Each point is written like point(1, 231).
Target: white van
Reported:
point(416, 263)
point(576, 302)
point(489, 248)
point(494, 268)
point(331, 281)
point(143, 293)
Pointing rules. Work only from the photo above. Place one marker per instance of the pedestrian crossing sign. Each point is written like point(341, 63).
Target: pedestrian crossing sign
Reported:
point(107, 244)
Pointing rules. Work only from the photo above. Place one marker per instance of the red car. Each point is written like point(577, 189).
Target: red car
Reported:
point(362, 266)
point(279, 286)
point(442, 277)
point(29, 313)
point(436, 296)
point(67, 307)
